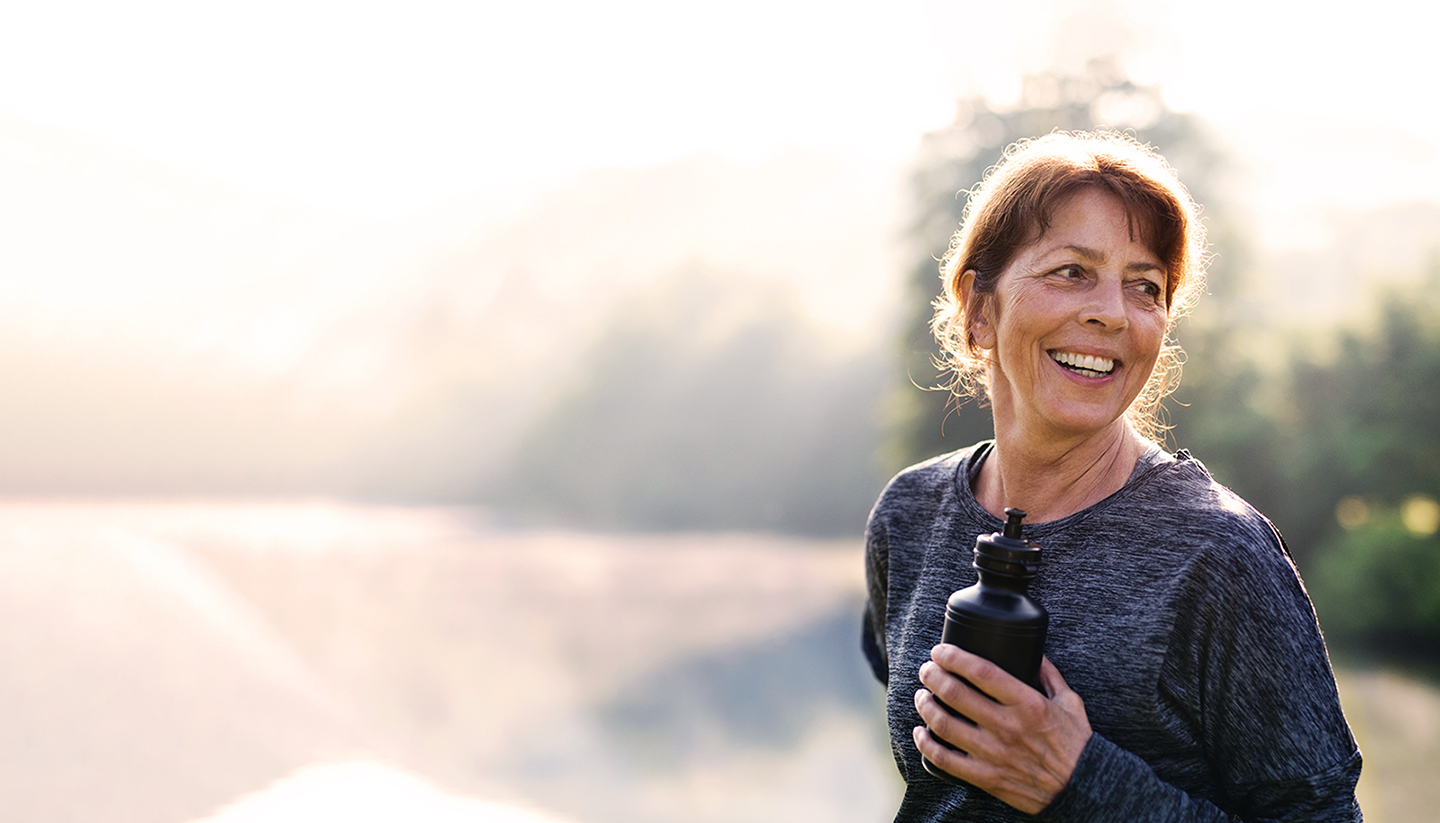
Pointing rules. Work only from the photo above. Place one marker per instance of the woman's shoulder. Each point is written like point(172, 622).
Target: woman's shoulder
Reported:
point(1179, 498)
point(938, 472)
point(928, 484)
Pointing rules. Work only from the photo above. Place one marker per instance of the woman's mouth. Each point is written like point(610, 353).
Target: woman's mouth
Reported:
point(1085, 365)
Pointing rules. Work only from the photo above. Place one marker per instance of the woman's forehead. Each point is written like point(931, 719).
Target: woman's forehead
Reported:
point(1094, 225)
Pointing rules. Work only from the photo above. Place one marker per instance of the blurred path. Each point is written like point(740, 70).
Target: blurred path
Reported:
point(135, 685)
point(1397, 723)
point(366, 792)
point(167, 661)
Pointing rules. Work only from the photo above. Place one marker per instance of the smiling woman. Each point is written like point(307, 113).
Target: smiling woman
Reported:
point(1021, 201)
point(1201, 686)
point(1076, 322)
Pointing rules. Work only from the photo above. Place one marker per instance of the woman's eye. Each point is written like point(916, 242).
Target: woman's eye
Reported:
point(1149, 288)
point(1070, 272)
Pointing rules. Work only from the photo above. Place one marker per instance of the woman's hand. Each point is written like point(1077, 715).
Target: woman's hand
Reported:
point(1020, 747)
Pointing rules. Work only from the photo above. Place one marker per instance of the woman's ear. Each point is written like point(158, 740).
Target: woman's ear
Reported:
point(979, 324)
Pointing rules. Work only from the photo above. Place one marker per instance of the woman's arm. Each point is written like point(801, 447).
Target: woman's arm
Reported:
point(1037, 753)
point(877, 590)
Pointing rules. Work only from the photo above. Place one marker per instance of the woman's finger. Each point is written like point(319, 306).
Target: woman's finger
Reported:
point(951, 728)
point(996, 683)
point(958, 763)
point(956, 693)
point(1051, 679)
point(1022, 751)
point(1060, 692)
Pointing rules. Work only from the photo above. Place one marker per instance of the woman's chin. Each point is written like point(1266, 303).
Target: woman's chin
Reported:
point(1073, 420)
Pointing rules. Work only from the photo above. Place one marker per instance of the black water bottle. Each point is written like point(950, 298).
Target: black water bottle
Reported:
point(996, 618)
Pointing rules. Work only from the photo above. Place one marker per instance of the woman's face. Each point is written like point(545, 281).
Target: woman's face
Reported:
point(1075, 323)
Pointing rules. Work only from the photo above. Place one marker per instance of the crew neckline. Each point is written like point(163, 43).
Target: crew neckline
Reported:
point(1152, 458)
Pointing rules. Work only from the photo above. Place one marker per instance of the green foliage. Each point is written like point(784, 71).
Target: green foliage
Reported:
point(1362, 418)
point(1356, 426)
point(954, 160)
point(708, 404)
point(1379, 586)
point(1346, 413)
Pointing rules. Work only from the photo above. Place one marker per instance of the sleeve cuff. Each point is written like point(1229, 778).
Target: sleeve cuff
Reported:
point(1110, 784)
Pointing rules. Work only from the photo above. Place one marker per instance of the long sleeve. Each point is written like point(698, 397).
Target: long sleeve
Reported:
point(1174, 613)
point(1246, 668)
point(1112, 784)
point(872, 632)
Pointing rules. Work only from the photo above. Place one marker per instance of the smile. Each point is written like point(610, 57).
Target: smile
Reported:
point(1084, 365)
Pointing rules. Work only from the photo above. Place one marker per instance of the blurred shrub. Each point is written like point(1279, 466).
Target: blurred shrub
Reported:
point(1377, 585)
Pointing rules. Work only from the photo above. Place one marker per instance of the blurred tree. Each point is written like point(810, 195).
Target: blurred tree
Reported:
point(1362, 414)
point(1345, 416)
point(1363, 475)
point(928, 421)
point(708, 403)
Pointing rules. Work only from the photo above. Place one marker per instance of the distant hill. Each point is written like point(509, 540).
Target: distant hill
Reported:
point(176, 334)
point(171, 334)
point(1364, 249)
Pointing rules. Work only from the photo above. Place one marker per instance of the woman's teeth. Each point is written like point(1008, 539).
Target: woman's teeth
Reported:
point(1084, 364)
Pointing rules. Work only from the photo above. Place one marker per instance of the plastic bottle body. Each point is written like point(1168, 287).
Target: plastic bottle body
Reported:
point(1001, 624)
point(996, 618)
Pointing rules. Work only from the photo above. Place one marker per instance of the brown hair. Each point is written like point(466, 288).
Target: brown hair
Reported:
point(1013, 207)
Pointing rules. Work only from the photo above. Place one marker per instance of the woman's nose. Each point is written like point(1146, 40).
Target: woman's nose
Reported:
point(1106, 307)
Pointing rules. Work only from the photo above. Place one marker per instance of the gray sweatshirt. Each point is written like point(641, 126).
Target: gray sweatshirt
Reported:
point(1175, 613)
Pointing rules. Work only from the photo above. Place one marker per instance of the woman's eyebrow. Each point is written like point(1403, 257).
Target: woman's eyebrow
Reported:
point(1097, 256)
point(1086, 252)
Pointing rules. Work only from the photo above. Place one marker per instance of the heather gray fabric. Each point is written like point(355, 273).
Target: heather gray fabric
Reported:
point(1176, 615)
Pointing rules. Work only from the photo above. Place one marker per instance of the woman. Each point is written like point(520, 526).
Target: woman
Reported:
point(1185, 678)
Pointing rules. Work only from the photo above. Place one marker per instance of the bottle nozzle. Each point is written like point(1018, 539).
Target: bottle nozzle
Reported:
point(1013, 524)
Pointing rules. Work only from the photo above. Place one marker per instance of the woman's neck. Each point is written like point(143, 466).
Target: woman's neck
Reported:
point(1053, 479)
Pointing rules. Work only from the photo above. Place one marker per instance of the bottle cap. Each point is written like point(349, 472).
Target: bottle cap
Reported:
point(1008, 552)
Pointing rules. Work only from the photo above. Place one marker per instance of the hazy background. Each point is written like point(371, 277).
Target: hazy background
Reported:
point(413, 403)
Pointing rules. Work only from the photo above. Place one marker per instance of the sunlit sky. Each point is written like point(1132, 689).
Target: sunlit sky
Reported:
point(380, 110)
